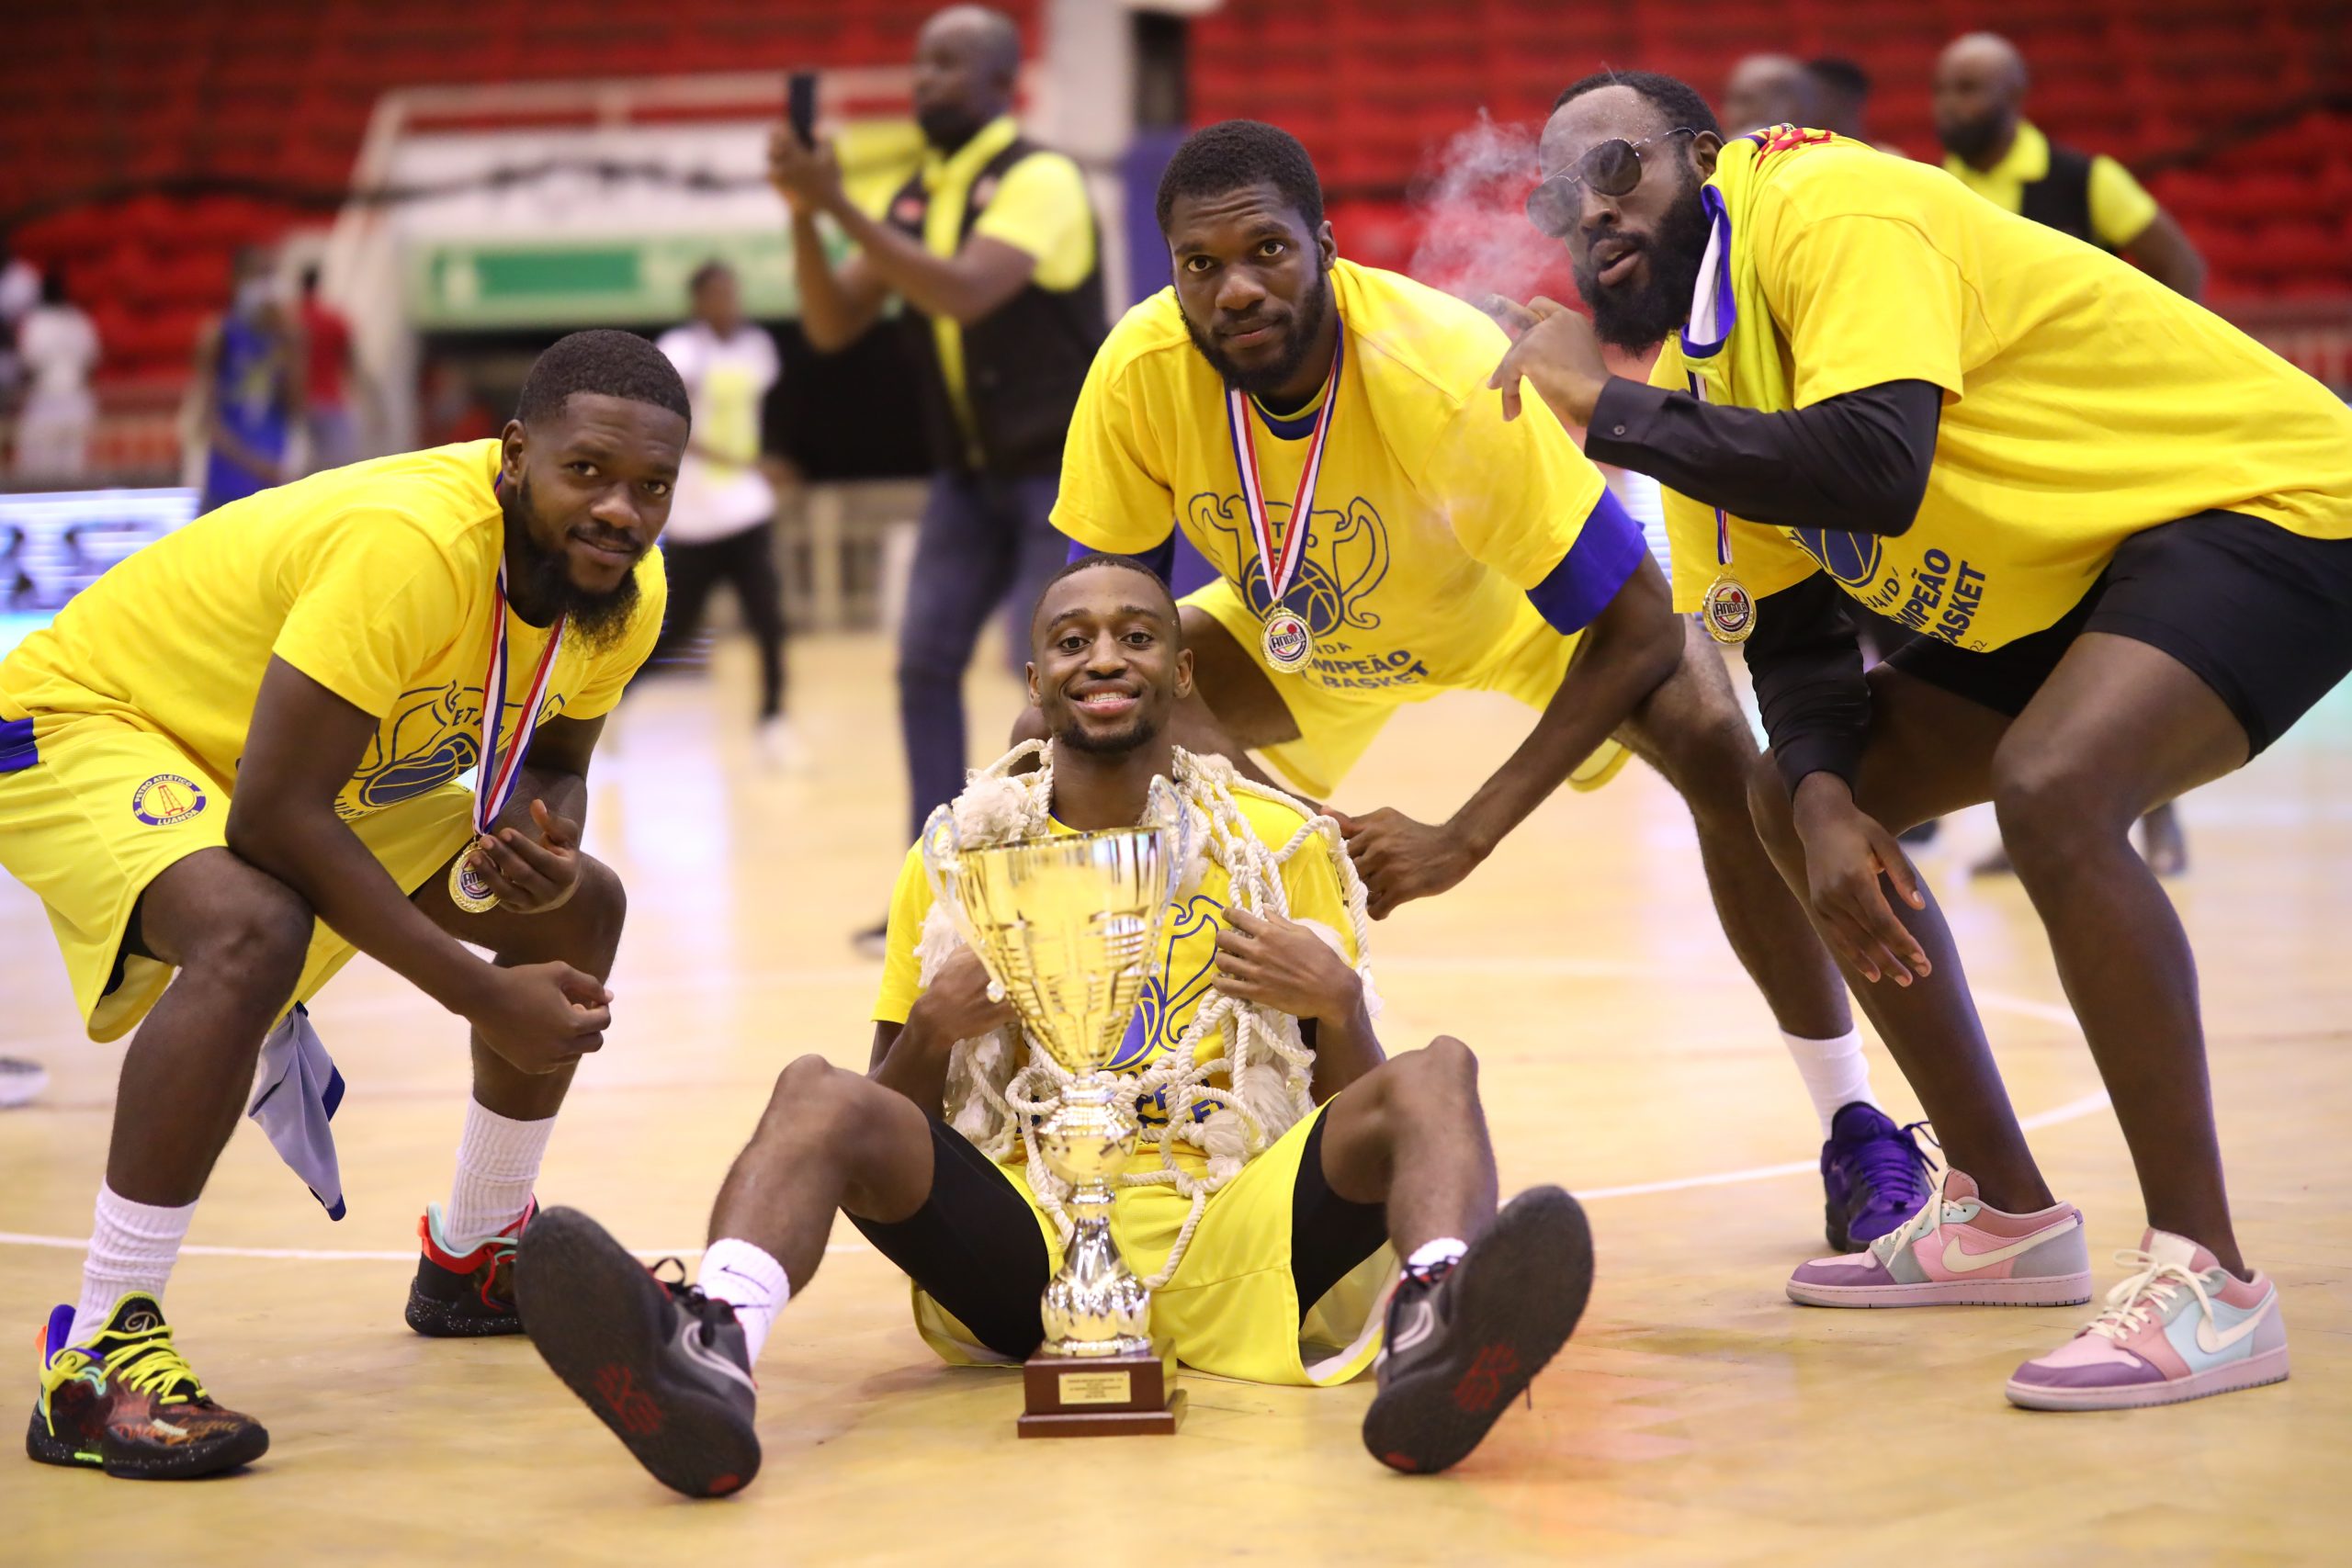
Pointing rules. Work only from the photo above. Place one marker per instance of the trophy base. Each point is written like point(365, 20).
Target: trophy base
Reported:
point(1101, 1396)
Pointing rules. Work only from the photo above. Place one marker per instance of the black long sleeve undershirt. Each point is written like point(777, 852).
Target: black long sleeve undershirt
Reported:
point(1856, 463)
point(1805, 659)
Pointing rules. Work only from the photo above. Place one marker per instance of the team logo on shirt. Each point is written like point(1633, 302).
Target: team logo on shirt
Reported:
point(431, 740)
point(1346, 559)
point(1168, 1001)
point(166, 800)
point(1851, 558)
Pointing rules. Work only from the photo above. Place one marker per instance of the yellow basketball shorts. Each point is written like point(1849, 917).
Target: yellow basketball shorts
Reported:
point(104, 808)
point(1232, 1309)
point(1336, 727)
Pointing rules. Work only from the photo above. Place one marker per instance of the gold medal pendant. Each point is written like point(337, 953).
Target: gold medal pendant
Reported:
point(1729, 612)
point(467, 889)
point(1287, 643)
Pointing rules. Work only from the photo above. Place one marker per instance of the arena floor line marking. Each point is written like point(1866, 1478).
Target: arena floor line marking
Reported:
point(2072, 1111)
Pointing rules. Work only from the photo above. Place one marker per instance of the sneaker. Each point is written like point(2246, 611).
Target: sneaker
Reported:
point(1466, 1339)
point(1958, 1251)
point(2182, 1327)
point(465, 1296)
point(126, 1402)
point(662, 1364)
point(20, 1081)
point(1873, 1175)
point(872, 942)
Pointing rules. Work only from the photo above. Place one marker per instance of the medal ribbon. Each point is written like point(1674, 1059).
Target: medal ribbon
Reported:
point(1723, 521)
point(501, 771)
point(1278, 573)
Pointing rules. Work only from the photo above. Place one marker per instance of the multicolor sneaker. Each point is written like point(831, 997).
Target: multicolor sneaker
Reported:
point(1466, 1339)
point(1957, 1251)
point(126, 1402)
point(465, 1296)
point(2182, 1327)
point(662, 1364)
point(1874, 1175)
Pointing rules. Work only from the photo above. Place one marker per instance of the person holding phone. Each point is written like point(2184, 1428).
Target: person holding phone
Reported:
point(994, 248)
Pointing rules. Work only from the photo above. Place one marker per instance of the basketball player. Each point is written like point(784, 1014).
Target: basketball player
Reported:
point(235, 756)
point(1443, 549)
point(1284, 1177)
point(2125, 531)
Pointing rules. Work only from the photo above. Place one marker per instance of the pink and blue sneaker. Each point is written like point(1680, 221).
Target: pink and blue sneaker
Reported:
point(1958, 1251)
point(2181, 1327)
point(1874, 1176)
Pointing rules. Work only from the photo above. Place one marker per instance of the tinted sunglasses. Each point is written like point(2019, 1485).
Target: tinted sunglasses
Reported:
point(1612, 168)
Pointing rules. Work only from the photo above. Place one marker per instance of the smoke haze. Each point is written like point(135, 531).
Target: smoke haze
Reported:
point(1474, 239)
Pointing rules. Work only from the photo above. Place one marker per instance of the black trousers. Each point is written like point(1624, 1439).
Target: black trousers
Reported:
point(747, 561)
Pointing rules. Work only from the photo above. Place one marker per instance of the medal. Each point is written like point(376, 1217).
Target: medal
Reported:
point(1728, 609)
point(500, 770)
point(1287, 643)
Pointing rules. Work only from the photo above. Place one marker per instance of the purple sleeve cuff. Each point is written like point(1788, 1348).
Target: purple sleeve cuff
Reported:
point(1161, 558)
point(1595, 567)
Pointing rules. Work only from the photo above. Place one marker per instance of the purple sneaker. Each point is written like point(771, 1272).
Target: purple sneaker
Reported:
point(1873, 1175)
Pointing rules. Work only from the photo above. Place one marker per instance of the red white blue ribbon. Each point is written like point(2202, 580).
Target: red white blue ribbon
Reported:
point(501, 768)
point(1293, 549)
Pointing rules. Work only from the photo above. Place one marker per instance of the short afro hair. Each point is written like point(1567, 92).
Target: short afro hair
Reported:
point(1095, 563)
point(613, 364)
point(1676, 99)
point(1237, 153)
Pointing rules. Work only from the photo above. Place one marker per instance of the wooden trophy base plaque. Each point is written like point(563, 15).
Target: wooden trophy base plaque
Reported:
point(1101, 1396)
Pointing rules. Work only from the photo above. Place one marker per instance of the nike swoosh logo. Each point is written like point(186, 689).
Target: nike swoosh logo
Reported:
point(1961, 1262)
point(2214, 1344)
point(1423, 1324)
point(761, 1304)
point(702, 1355)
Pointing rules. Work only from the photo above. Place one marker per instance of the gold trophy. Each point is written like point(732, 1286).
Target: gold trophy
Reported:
point(1068, 928)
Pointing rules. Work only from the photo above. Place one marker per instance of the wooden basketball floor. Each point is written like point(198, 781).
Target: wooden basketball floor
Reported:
point(1697, 1416)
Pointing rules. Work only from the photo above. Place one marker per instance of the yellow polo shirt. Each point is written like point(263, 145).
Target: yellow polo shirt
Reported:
point(2121, 208)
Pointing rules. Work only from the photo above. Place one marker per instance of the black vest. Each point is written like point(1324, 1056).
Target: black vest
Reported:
point(2061, 200)
point(1023, 362)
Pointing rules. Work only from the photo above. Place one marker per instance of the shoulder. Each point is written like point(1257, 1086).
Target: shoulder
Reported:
point(1149, 341)
point(1836, 178)
point(438, 500)
point(1418, 342)
point(1041, 169)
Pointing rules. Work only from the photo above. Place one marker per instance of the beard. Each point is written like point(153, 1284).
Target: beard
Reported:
point(948, 125)
point(1970, 139)
point(1303, 330)
point(595, 621)
point(1636, 316)
point(1121, 744)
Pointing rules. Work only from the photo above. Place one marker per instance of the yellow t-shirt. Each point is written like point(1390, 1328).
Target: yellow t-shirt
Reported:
point(1170, 998)
point(1038, 206)
point(1433, 517)
point(2121, 208)
point(2082, 400)
point(376, 580)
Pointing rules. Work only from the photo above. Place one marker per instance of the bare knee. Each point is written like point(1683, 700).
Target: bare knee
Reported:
point(1770, 809)
point(811, 1090)
point(2054, 810)
point(1444, 1065)
point(252, 941)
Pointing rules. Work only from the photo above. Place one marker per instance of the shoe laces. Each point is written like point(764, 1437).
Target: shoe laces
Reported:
point(690, 1298)
point(149, 1365)
point(1895, 1167)
point(1926, 1223)
point(2141, 1299)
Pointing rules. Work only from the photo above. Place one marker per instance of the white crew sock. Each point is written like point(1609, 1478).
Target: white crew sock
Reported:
point(752, 1282)
point(498, 1161)
point(133, 1248)
point(1834, 1072)
point(1431, 1254)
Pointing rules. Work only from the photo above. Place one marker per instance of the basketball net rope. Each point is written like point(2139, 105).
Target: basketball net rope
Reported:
point(998, 1091)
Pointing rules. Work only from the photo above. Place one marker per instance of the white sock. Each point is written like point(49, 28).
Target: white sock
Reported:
point(133, 1248)
point(498, 1162)
point(1430, 1253)
point(752, 1282)
point(1834, 1072)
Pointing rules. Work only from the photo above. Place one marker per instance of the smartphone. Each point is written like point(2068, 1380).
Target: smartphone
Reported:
point(800, 105)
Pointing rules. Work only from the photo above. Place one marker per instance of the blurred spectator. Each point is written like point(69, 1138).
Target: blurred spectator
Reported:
point(20, 292)
point(59, 347)
point(1841, 95)
point(331, 381)
point(994, 247)
point(1992, 148)
point(248, 388)
point(449, 409)
point(1768, 89)
point(722, 518)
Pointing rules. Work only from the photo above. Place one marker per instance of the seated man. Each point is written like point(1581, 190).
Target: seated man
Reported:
point(233, 761)
point(1290, 1151)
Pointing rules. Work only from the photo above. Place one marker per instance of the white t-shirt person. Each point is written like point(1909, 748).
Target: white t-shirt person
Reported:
point(727, 381)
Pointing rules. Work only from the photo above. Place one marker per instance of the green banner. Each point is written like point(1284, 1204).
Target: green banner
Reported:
point(465, 284)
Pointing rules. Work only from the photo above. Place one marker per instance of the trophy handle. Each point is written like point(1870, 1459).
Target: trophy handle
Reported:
point(943, 846)
point(1164, 809)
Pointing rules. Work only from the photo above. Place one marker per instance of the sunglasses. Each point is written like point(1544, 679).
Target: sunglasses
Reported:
point(1612, 168)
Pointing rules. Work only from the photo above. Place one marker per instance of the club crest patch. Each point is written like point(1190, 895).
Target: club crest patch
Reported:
point(166, 799)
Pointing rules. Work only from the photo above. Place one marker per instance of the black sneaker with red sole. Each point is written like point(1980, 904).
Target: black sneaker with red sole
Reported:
point(662, 1364)
point(466, 1295)
point(1466, 1339)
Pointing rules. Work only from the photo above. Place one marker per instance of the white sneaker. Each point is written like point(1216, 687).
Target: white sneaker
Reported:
point(20, 1081)
point(779, 748)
